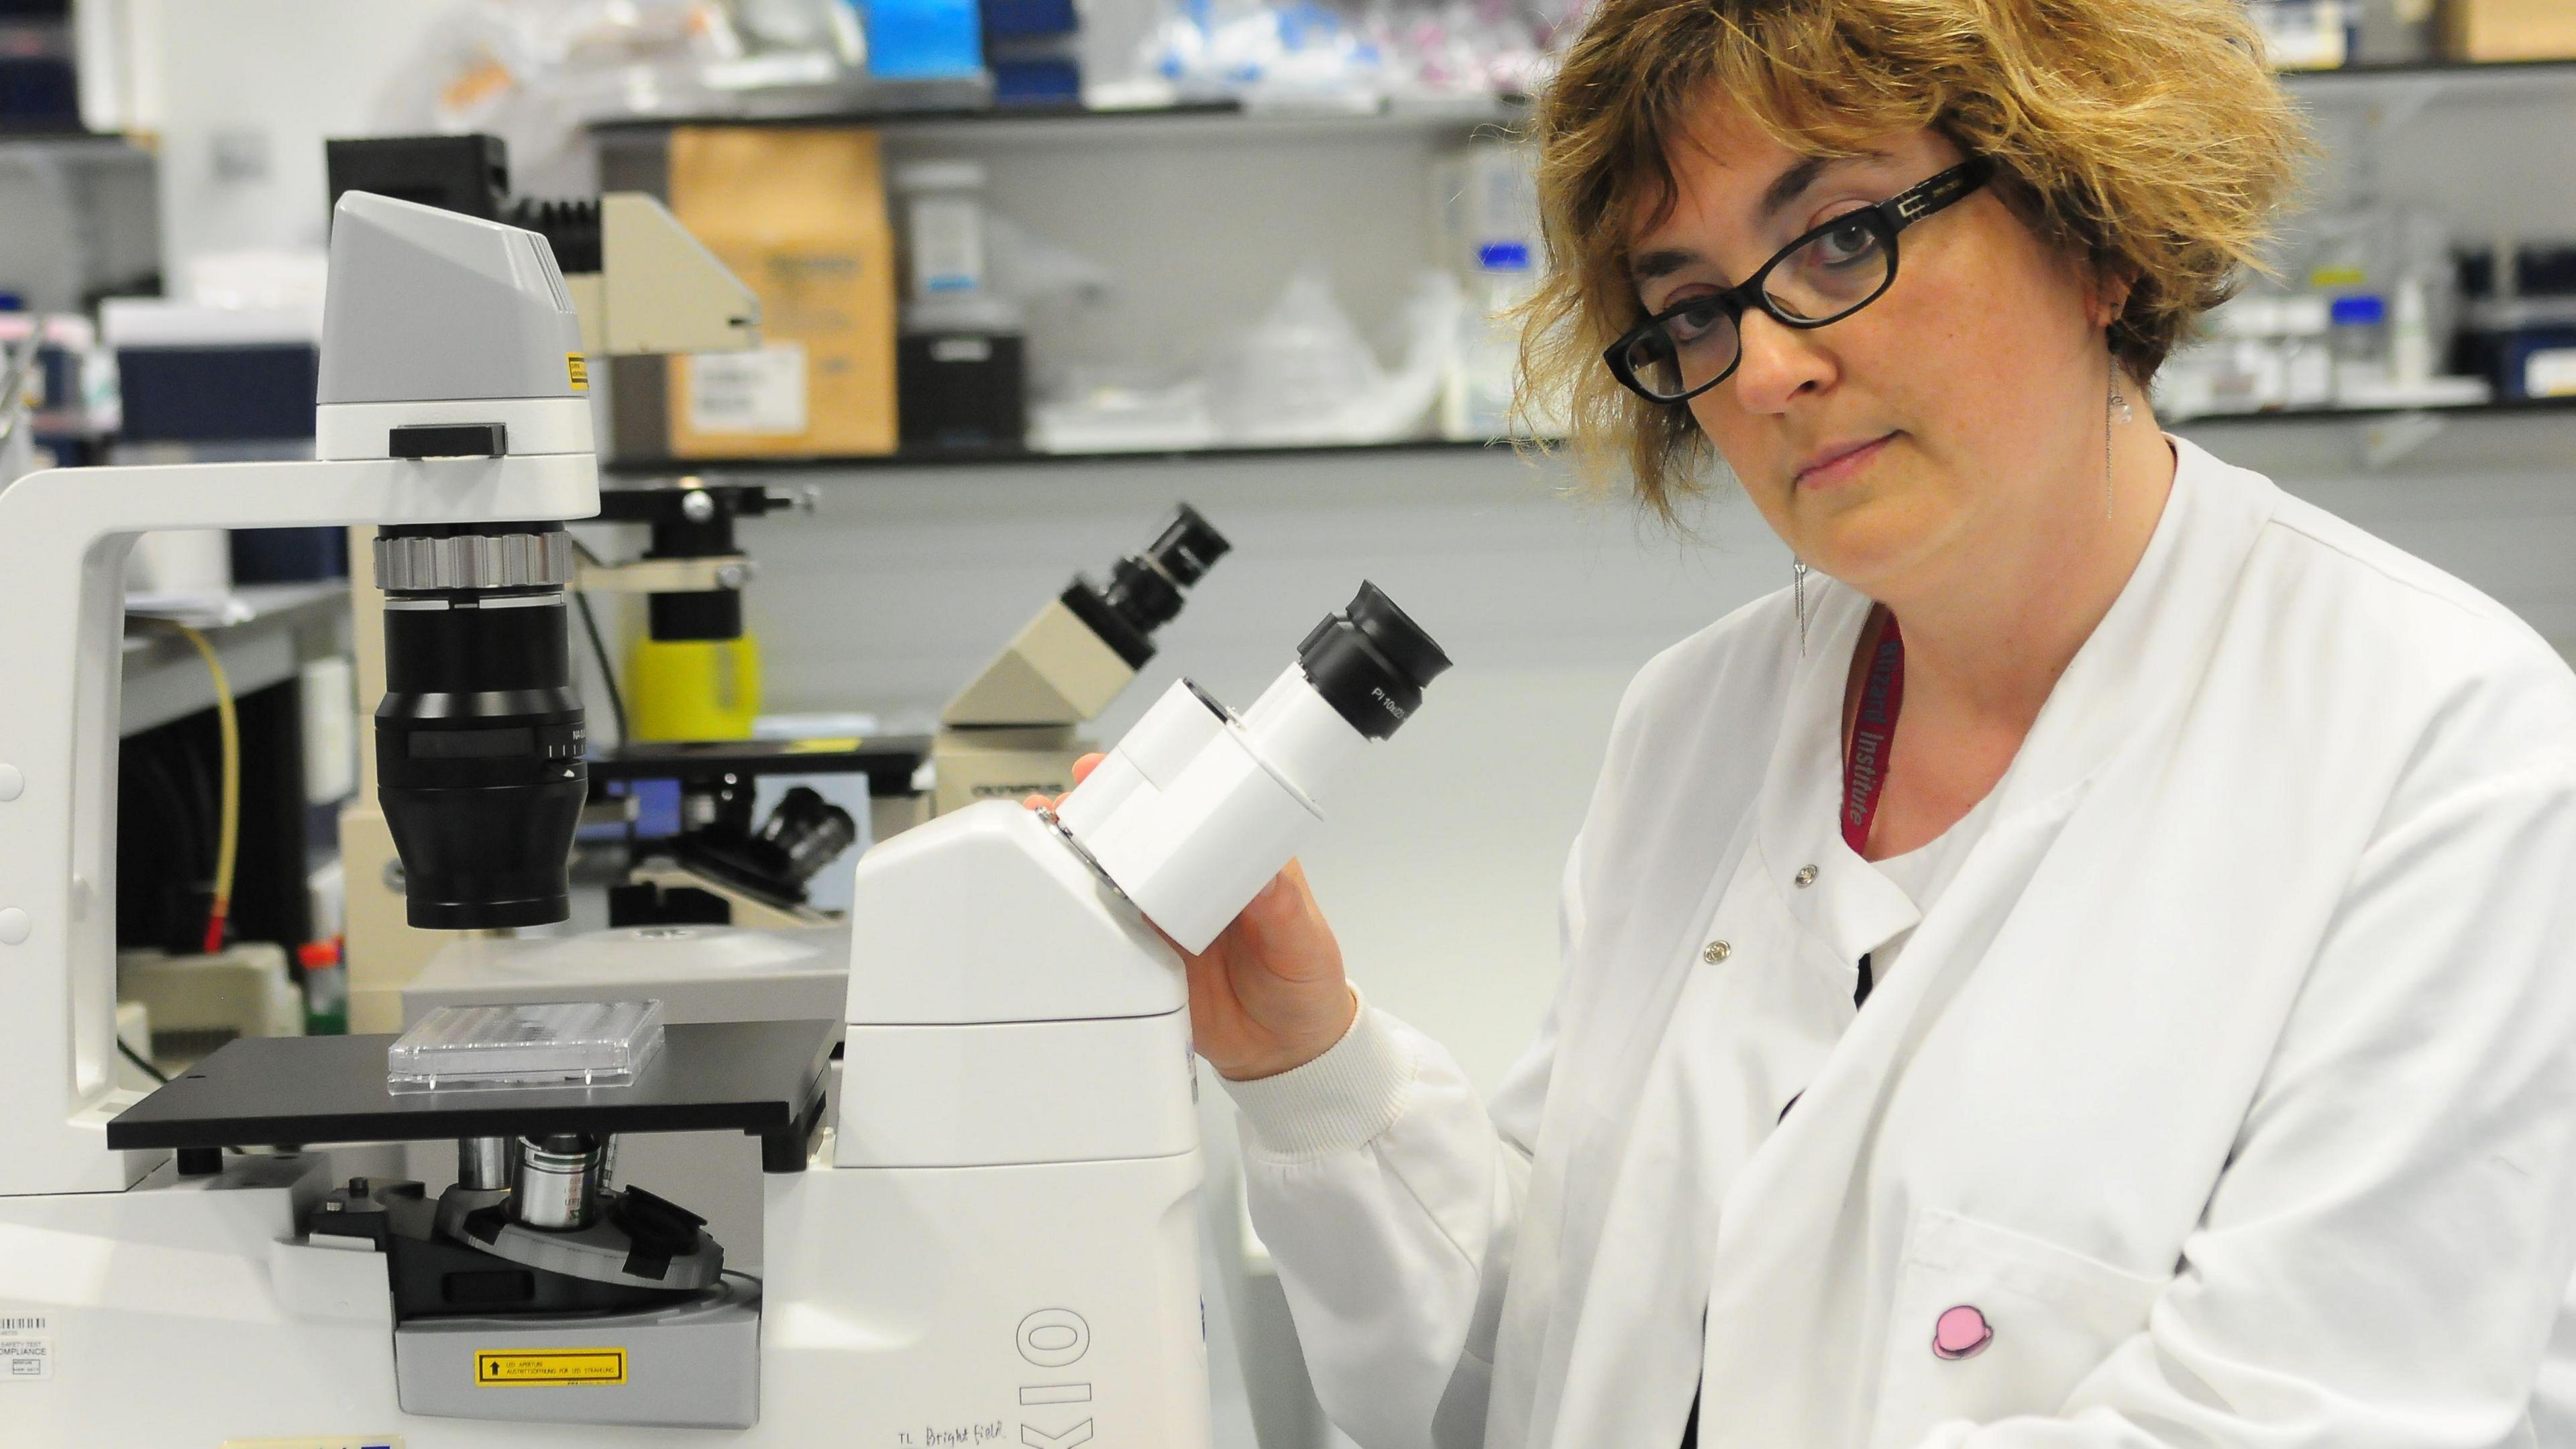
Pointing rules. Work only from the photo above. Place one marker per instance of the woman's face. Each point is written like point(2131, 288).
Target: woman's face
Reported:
point(1907, 442)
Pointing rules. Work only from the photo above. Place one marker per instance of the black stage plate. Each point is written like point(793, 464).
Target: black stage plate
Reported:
point(758, 1077)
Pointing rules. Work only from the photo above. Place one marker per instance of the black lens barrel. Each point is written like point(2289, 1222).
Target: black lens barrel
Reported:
point(1371, 662)
point(479, 739)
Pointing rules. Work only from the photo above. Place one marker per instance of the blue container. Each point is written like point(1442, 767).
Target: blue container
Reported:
point(924, 39)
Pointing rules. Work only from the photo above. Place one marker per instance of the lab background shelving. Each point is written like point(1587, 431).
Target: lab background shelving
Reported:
point(268, 634)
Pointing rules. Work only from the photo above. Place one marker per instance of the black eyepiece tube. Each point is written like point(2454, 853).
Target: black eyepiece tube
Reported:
point(1371, 662)
point(1145, 589)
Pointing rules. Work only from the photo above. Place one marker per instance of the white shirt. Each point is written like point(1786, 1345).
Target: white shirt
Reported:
point(1923, 871)
point(2228, 1077)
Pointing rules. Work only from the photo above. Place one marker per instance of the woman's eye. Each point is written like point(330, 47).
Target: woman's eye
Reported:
point(1845, 243)
point(1690, 324)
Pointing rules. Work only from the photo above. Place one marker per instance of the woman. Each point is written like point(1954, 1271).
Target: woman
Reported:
point(2091, 964)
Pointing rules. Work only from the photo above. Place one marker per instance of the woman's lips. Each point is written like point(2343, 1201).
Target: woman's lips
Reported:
point(1838, 464)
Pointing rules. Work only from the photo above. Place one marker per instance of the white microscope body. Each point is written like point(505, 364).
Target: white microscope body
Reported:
point(992, 1243)
point(1014, 1020)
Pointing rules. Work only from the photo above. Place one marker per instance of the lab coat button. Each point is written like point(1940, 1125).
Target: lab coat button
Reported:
point(1715, 952)
point(1961, 1332)
point(12, 783)
point(1806, 876)
point(15, 927)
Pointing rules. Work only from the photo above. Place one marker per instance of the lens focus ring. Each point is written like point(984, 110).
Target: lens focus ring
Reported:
point(474, 561)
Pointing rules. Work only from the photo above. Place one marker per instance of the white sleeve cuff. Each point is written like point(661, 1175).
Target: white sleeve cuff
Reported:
point(1338, 1102)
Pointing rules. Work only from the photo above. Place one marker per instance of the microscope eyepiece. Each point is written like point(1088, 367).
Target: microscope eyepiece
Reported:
point(1196, 807)
point(1371, 662)
point(1188, 547)
point(479, 739)
point(1145, 589)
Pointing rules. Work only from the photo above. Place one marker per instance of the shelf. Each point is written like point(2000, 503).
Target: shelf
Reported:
point(282, 628)
point(1016, 458)
point(1502, 446)
point(2440, 70)
point(2404, 90)
point(1231, 116)
point(96, 148)
point(1196, 120)
point(976, 115)
point(2506, 408)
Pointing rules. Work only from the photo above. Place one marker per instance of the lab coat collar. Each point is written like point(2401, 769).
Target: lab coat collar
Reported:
point(2153, 635)
point(1847, 904)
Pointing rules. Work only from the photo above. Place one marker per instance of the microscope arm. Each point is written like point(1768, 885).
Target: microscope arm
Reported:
point(64, 536)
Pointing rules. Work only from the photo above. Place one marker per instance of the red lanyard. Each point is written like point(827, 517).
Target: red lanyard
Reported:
point(1882, 697)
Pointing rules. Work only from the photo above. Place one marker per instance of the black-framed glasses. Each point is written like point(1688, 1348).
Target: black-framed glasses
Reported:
point(1822, 277)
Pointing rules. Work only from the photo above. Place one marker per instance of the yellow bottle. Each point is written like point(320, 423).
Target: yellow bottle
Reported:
point(693, 689)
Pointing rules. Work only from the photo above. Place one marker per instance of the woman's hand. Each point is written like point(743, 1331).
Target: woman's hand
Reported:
point(1268, 994)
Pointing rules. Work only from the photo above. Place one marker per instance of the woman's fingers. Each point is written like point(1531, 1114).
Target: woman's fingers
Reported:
point(1082, 769)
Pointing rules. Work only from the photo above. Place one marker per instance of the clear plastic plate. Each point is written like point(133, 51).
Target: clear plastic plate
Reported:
point(536, 1044)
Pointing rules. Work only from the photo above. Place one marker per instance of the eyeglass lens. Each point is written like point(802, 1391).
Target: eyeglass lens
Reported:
point(1828, 277)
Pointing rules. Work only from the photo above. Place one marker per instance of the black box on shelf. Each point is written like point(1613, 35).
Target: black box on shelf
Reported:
point(214, 394)
point(39, 86)
point(961, 391)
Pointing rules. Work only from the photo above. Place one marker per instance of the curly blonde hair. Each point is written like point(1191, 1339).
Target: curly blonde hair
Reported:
point(2146, 137)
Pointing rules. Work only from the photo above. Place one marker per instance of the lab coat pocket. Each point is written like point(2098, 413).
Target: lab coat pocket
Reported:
point(1988, 1323)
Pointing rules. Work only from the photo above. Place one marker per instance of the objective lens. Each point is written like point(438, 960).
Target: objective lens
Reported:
point(479, 739)
point(559, 1177)
point(806, 833)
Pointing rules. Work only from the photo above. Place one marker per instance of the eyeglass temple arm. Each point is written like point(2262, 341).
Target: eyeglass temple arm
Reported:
point(1909, 207)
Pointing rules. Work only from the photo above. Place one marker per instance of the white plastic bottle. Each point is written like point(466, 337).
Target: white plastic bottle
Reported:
point(1478, 402)
point(2410, 336)
point(2307, 358)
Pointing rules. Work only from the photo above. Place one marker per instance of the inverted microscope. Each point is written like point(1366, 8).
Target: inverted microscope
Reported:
point(989, 1240)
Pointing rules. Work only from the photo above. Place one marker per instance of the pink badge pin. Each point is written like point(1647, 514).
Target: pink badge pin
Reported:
point(1962, 1332)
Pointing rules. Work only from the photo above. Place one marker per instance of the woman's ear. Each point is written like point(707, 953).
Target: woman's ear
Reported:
point(2108, 297)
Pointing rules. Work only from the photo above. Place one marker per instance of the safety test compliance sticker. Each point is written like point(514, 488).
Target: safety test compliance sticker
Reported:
point(26, 1351)
point(523, 1367)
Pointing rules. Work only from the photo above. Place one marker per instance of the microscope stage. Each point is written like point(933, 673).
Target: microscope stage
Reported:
point(764, 1078)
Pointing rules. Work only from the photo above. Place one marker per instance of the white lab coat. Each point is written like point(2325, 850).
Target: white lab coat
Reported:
point(2232, 1080)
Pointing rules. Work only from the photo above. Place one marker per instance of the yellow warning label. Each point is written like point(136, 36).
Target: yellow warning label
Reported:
point(579, 368)
point(519, 1367)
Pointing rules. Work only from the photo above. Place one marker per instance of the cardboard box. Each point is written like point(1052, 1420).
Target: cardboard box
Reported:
point(800, 216)
point(2509, 29)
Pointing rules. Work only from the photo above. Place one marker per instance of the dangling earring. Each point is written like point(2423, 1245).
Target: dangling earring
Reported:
point(2114, 412)
point(1798, 583)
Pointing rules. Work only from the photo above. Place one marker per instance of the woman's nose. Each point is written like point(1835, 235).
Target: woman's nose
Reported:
point(1779, 364)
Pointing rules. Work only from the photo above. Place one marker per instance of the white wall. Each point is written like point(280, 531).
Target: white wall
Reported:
point(74, 216)
point(247, 91)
